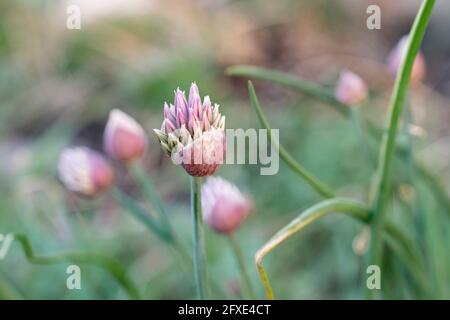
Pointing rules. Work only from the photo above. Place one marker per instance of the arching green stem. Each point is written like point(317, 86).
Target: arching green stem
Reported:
point(312, 180)
point(113, 267)
point(290, 81)
point(403, 245)
point(347, 206)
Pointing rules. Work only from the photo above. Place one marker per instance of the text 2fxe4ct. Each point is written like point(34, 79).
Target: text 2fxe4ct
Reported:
point(225, 309)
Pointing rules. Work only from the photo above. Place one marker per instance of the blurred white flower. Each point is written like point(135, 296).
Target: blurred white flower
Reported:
point(85, 171)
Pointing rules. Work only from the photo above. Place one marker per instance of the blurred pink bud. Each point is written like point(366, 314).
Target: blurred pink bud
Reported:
point(351, 89)
point(224, 206)
point(85, 171)
point(395, 59)
point(124, 139)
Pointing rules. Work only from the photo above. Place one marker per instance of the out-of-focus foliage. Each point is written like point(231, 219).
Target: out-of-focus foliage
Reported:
point(57, 86)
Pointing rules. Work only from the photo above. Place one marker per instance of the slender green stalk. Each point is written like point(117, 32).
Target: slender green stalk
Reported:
point(290, 81)
point(408, 244)
point(427, 219)
point(242, 268)
point(438, 190)
point(357, 210)
point(418, 274)
point(436, 253)
point(113, 267)
point(388, 142)
point(152, 225)
point(151, 193)
point(354, 116)
point(141, 214)
point(353, 208)
point(198, 238)
point(312, 180)
point(423, 172)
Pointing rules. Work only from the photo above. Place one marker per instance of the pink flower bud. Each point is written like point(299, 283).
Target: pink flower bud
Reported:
point(124, 139)
point(224, 206)
point(193, 134)
point(205, 154)
point(396, 56)
point(351, 89)
point(85, 171)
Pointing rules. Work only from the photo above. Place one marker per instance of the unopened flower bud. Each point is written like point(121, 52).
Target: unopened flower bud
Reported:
point(224, 206)
point(85, 171)
point(124, 139)
point(351, 89)
point(193, 134)
point(396, 56)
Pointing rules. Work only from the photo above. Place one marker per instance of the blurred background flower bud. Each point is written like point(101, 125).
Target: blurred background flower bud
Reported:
point(124, 139)
point(395, 59)
point(193, 134)
point(84, 171)
point(351, 89)
point(224, 206)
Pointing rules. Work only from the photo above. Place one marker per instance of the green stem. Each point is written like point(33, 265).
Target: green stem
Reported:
point(436, 252)
point(437, 188)
point(312, 180)
point(409, 261)
point(353, 208)
point(362, 139)
point(151, 193)
point(242, 268)
point(141, 214)
point(424, 218)
point(388, 142)
point(149, 222)
point(113, 267)
point(198, 238)
point(356, 210)
point(290, 81)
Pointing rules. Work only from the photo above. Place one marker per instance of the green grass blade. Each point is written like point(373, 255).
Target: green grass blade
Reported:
point(285, 79)
point(116, 270)
point(295, 166)
point(388, 143)
point(355, 209)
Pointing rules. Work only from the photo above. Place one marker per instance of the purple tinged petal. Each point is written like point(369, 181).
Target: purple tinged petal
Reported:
point(169, 112)
point(180, 119)
point(170, 127)
point(207, 107)
point(195, 102)
point(172, 110)
point(193, 93)
point(166, 111)
point(191, 121)
point(180, 102)
point(205, 123)
point(197, 106)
